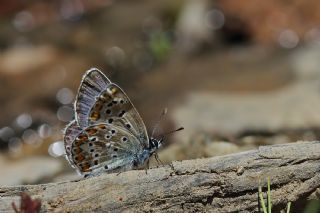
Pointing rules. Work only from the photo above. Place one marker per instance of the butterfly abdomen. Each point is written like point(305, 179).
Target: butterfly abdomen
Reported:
point(142, 158)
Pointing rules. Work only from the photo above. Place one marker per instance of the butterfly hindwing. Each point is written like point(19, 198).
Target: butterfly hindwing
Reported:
point(104, 147)
point(70, 133)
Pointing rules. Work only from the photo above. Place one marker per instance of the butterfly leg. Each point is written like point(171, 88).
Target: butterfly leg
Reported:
point(147, 167)
point(156, 156)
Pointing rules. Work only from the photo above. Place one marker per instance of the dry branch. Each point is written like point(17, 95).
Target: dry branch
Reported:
point(219, 184)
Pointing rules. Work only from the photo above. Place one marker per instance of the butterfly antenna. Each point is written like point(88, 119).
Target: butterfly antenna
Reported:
point(157, 125)
point(170, 132)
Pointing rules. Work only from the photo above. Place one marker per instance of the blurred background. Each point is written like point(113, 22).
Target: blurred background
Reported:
point(235, 75)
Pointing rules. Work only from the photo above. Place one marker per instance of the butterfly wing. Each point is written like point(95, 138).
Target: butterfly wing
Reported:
point(104, 147)
point(70, 133)
point(100, 101)
point(92, 84)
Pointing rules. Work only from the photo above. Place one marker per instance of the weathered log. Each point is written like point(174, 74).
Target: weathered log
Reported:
point(219, 184)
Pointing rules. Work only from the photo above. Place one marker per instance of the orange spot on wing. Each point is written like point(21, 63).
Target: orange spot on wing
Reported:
point(98, 106)
point(77, 150)
point(113, 90)
point(86, 167)
point(94, 115)
point(101, 126)
point(91, 131)
point(80, 157)
point(81, 138)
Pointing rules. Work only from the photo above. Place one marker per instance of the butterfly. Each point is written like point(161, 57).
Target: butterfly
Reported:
point(107, 134)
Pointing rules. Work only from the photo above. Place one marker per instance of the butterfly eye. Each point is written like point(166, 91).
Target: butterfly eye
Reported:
point(155, 142)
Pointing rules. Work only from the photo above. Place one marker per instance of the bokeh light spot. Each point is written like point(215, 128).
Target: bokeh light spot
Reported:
point(65, 96)
point(45, 131)
point(15, 145)
point(23, 21)
point(65, 113)
point(215, 19)
point(115, 56)
point(30, 136)
point(288, 39)
point(24, 120)
point(56, 149)
point(6, 133)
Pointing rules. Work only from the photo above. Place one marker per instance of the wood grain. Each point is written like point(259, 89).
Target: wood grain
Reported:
point(219, 184)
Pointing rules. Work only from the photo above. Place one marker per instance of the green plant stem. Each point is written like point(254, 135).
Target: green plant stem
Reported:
point(288, 207)
point(262, 200)
point(269, 196)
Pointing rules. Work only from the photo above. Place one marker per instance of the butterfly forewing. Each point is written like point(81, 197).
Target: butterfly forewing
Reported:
point(104, 147)
point(92, 84)
point(100, 101)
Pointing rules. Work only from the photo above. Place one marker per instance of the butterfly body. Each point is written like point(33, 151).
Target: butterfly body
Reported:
point(108, 134)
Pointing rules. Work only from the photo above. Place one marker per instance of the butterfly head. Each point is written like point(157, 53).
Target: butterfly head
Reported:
point(142, 158)
point(155, 144)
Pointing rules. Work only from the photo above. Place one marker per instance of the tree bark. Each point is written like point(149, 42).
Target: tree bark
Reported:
point(219, 184)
